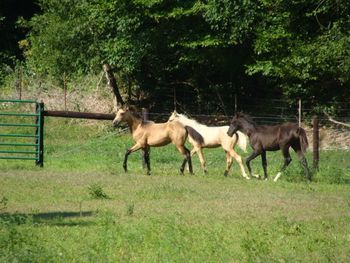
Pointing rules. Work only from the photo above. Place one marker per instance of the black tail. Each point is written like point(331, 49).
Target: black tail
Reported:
point(195, 135)
point(303, 139)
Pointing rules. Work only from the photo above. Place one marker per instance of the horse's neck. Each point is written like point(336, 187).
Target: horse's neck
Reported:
point(249, 129)
point(133, 123)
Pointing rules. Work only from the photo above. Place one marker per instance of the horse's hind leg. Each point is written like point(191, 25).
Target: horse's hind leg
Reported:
point(185, 152)
point(230, 153)
point(238, 159)
point(303, 161)
point(287, 161)
point(199, 151)
point(228, 163)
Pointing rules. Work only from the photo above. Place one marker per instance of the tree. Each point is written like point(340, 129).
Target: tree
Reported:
point(304, 47)
point(203, 51)
point(11, 33)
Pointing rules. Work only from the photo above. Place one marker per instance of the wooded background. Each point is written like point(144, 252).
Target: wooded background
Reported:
point(199, 53)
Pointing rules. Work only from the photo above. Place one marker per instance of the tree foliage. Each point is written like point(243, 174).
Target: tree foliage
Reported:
point(10, 32)
point(305, 46)
point(205, 50)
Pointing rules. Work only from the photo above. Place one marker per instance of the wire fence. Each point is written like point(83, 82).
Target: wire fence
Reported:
point(332, 135)
point(211, 112)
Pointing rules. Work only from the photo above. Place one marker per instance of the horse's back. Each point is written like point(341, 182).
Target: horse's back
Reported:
point(155, 134)
point(272, 137)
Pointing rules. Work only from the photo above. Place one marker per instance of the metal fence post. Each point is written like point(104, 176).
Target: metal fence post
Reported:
point(40, 134)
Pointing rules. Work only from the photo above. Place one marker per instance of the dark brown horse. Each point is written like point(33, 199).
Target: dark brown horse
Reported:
point(272, 138)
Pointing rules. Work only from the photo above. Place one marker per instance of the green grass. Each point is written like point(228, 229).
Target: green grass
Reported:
point(82, 207)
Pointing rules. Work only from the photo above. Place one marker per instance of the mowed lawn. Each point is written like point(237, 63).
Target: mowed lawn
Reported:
point(82, 207)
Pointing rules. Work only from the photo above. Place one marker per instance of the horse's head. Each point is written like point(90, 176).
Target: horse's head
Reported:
point(173, 116)
point(119, 116)
point(125, 114)
point(235, 124)
point(240, 122)
point(122, 114)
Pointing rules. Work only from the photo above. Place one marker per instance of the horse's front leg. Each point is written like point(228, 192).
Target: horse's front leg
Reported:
point(128, 152)
point(249, 159)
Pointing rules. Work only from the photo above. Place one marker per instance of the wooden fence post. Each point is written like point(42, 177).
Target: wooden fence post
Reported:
point(299, 113)
point(145, 114)
point(316, 142)
point(145, 117)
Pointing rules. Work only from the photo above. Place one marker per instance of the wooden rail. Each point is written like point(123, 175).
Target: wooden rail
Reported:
point(80, 115)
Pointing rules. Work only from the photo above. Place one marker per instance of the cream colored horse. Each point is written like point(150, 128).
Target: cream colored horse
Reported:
point(150, 134)
point(213, 137)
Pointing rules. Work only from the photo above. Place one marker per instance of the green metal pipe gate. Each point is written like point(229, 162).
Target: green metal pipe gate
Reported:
point(32, 145)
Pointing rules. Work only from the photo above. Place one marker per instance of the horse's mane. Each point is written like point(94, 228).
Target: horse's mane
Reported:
point(134, 111)
point(246, 117)
point(188, 118)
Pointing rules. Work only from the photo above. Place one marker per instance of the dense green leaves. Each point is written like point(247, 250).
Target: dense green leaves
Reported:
point(200, 49)
point(305, 45)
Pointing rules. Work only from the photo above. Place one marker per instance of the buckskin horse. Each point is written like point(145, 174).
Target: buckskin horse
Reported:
point(272, 138)
point(148, 134)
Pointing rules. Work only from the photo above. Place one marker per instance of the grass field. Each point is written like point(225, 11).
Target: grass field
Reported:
point(82, 207)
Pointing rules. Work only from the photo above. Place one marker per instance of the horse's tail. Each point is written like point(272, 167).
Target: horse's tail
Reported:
point(303, 139)
point(195, 135)
point(242, 140)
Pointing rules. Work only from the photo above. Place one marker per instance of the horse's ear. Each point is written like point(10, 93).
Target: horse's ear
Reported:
point(117, 107)
point(132, 108)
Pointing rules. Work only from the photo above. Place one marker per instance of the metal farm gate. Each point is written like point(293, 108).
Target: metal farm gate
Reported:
point(21, 130)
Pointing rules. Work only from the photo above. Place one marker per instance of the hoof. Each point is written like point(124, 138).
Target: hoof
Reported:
point(225, 173)
point(277, 176)
point(256, 176)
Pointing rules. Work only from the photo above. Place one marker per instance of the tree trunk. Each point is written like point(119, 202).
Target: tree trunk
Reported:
point(112, 82)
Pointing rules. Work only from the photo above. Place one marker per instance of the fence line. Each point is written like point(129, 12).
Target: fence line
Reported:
point(86, 145)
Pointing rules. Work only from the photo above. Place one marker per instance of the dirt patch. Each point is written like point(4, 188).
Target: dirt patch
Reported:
point(332, 138)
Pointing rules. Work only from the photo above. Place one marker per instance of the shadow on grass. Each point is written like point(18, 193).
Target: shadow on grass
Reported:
point(59, 218)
